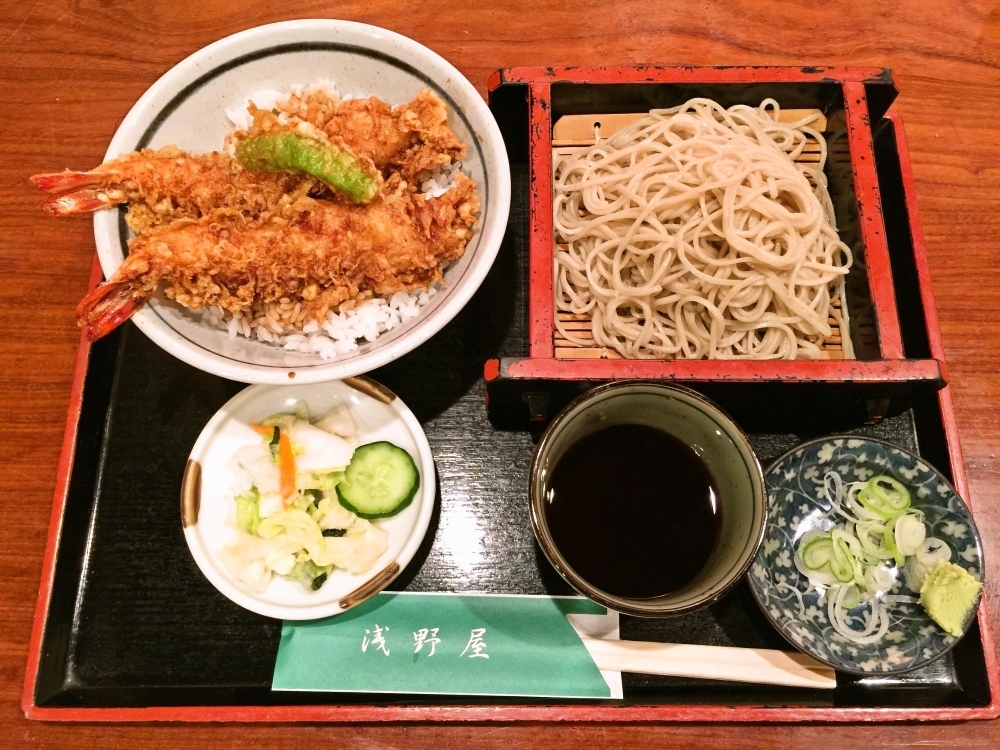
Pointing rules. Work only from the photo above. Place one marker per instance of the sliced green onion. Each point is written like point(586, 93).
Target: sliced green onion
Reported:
point(890, 542)
point(817, 553)
point(852, 598)
point(867, 532)
point(842, 564)
point(884, 496)
point(856, 562)
point(932, 550)
point(909, 534)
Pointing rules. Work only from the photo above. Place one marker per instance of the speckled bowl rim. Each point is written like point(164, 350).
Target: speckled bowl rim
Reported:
point(973, 613)
point(628, 606)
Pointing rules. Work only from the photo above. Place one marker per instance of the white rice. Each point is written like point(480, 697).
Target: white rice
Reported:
point(340, 332)
point(269, 98)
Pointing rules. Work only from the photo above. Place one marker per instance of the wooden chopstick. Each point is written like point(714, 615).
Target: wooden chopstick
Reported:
point(757, 665)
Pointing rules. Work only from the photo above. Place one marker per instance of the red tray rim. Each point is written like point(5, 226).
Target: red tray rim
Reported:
point(505, 713)
point(450, 713)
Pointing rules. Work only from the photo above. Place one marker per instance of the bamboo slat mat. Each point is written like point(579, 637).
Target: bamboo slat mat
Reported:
point(570, 134)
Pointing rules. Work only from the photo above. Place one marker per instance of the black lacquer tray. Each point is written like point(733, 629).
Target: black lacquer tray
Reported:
point(128, 629)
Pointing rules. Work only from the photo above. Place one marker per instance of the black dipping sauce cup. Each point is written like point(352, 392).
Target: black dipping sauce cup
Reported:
point(722, 447)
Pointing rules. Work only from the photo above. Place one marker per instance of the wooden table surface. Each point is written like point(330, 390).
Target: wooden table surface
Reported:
point(70, 70)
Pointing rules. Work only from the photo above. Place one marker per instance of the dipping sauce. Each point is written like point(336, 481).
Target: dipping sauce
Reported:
point(632, 509)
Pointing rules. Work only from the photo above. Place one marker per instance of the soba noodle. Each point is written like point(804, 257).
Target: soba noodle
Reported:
point(693, 233)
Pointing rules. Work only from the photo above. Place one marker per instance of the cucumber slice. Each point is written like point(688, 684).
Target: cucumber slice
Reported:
point(380, 481)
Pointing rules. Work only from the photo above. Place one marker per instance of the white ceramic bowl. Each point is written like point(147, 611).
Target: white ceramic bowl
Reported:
point(186, 108)
point(209, 506)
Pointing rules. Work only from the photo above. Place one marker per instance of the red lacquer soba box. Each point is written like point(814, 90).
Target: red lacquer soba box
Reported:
point(893, 328)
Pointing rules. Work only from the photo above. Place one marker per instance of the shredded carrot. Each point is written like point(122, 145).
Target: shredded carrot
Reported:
point(265, 431)
point(286, 468)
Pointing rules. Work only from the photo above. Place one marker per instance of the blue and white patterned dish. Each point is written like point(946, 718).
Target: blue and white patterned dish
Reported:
point(796, 499)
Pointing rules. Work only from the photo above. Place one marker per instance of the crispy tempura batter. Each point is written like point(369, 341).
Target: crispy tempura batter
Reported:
point(413, 138)
point(167, 185)
point(316, 253)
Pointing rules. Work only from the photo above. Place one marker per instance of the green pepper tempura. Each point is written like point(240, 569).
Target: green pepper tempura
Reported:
point(341, 170)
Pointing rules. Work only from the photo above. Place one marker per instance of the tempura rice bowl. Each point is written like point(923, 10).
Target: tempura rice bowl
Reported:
point(187, 108)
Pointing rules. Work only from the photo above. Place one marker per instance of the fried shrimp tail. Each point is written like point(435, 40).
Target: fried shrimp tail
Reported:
point(108, 306)
point(74, 198)
point(58, 182)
